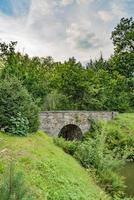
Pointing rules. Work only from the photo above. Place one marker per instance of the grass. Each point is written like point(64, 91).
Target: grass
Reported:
point(106, 147)
point(121, 129)
point(50, 173)
point(124, 122)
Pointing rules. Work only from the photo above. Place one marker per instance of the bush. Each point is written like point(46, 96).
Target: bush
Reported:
point(68, 146)
point(103, 151)
point(18, 112)
point(121, 139)
point(117, 140)
point(122, 144)
point(112, 183)
point(93, 153)
point(19, 125)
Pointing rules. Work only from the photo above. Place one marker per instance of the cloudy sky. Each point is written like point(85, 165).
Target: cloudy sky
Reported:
point(62, 28)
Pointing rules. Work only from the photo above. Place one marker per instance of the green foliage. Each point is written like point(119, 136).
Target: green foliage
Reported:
point(123, 198)
point(93, 152)
point(104, 151)
point(13, 186)
point(101, 85)
point(123, 59)
point(120, 137)
point(123, 63)
point(68, 146)
point(18, 125)
point(49, 172)
point(123, 36)
point(30, 71)
point(95, 127)
point(15, 99)
point(55, 101)
point(68, 79)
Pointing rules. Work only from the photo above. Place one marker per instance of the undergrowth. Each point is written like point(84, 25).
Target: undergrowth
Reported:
point(103, 151)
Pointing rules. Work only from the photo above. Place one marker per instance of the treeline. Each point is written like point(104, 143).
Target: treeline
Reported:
point(100, 85)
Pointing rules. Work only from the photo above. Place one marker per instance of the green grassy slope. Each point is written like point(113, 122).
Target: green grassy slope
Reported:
point(124, 122)
point(122, 130)
point(50, 173)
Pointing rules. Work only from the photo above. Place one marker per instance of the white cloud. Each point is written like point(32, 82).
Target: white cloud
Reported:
point(52, 28)
point(69, 2)
point(116, 11)
point(105, 15)
point(79, 35)
point(66, 2)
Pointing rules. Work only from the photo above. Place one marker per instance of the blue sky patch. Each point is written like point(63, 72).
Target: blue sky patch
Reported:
point(15, 7)
point(6, 7)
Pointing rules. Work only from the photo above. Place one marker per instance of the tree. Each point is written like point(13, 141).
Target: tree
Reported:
point(97, 64)
point(32, 72)
point(123, 36)
point(15, 100)
point(123, 63)
point(68, 79)
point(55, 101)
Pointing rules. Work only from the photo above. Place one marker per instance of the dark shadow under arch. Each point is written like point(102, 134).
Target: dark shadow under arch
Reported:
point(71, 132)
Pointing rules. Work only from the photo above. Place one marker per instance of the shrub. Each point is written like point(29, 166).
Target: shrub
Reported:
point(95, 125)
point(19, 125)
point(117, 140)
point(68, 146)
point(93, 153)
point(103, 151)
point(112, 182)
point(14, 101)
point(121, 143)
point(116, 197)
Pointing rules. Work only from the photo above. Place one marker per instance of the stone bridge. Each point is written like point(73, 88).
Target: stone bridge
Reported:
point(70, 124)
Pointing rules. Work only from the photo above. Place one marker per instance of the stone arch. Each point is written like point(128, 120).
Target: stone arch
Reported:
point(71, 132)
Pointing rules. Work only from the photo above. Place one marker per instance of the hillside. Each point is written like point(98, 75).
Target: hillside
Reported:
point(50, 173)
point(123, 122)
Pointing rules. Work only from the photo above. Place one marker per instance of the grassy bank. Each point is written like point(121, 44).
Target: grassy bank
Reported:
point(121, 134)
point(50, 174)
point(105, 149)
point(123, 122)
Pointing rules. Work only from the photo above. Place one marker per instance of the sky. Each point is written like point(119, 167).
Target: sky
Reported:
point(62, 28)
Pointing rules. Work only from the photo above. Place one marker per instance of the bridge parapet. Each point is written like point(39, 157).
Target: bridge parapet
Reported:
point(53, 121)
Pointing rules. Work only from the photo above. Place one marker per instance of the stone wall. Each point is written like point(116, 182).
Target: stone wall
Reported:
point(53, 121)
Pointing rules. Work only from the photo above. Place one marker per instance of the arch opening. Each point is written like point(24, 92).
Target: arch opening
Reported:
point(71, 132)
